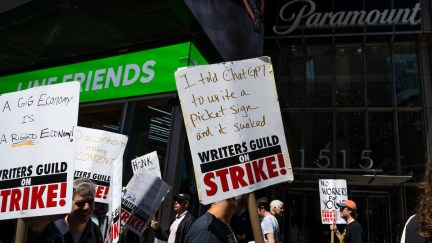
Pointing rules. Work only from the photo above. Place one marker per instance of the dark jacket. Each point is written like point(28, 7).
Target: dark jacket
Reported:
point(50, 235)
point(182, 229)
point(90, 234)
point(412, 229)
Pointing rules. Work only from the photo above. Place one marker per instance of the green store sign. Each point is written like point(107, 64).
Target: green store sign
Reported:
point(133, 74)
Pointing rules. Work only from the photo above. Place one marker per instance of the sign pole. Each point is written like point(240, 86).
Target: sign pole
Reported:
point(253, 213)
point(21, 231)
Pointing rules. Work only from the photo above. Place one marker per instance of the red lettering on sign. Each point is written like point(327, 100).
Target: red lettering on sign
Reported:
point(249, 173)
point(259, 171)
point(15, 198)
point(5, 198)
point(223, 179)
point(124, 215)
point(63, 187)
point(281, 162)
point(26, 198)
point(37, 199)
point(237, 174)
point(102, 192)
point(33, 197)
point(243, 175)
point(115, 230)
point(210, 183)
point(51, 195)
point(271, 167)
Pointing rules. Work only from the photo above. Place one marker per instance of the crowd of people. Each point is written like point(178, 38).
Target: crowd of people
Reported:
point(224, 221)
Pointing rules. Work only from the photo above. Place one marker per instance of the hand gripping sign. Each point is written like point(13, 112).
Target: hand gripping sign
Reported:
point(331, 192)
point(37, 150)
point(234, 126)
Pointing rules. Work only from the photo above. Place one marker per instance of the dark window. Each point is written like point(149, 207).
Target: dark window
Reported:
point(382, 144)
point(378, 76)
point(350, 137)
point(411, 143)
point(349, 77)
point(319, 77)
point(407, 75)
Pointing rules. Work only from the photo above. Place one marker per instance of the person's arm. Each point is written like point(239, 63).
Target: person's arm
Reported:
point(158, 232)
point(334, 228)
point(270, 238)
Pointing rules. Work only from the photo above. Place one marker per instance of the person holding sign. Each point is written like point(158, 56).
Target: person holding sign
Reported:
point(77, 225)
point(214, 225)
point(269, 224)
point(43, 229)
point(180, 225)
point(353, 232)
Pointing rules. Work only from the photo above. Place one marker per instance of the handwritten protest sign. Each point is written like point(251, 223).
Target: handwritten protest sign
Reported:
point(115, 204)
point(149, 162)
point(234, 126)
point(95, 155)
point(99, 157)
point(37, 150)
point(144, 193)
point(332, 192)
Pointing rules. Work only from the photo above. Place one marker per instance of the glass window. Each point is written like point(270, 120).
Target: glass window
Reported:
point(319, 77)
point(382, 142)
point(318, 140)
point(302, 218)
point(374, 216)
point(103, 117)
point(293, 124)
point(291, 85)
point(350, 139)
point(378, 76)
point(349, 77)
point(148, 130)
point(407, 75)
point(411, 143)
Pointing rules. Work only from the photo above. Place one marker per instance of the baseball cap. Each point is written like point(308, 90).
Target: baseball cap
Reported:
point(182, 197)
point(347, 203)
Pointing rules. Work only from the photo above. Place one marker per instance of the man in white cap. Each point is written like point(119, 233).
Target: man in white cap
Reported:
point(180, 225)
point(353, 232)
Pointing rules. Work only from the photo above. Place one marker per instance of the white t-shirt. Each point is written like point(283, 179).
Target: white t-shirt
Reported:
point(269, 224)
point(174, 227)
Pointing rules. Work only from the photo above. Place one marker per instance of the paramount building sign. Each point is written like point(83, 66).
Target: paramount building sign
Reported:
point(312, 19)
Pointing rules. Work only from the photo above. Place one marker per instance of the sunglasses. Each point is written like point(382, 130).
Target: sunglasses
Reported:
point(83, 202)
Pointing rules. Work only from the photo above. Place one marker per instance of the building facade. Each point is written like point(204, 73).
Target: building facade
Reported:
point(354, 86)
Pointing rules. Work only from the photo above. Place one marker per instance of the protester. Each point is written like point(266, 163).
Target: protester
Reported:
point(353, 232)
point(180, 225)
point(269, 224)
point(276, 208)
point(214, 225)
point(43, 229)
point(100, 217)
point(418, 228)
point(77, 225)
